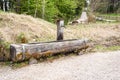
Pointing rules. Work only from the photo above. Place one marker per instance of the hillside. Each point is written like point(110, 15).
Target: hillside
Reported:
point(14, 26)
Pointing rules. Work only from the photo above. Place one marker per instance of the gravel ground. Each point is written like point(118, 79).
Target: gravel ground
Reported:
point(95, 66)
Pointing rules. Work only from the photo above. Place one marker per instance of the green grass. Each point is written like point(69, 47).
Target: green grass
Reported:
point(112, 48)
point(113, 14)
point(109, 14)
point(103, 48)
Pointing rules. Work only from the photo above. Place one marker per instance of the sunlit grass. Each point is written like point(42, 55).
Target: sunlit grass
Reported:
point(104, 48)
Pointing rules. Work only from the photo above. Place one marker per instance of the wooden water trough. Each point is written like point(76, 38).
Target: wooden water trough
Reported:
point(21, 52)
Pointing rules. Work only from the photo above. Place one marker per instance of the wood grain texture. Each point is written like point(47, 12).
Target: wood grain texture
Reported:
point(20, 52)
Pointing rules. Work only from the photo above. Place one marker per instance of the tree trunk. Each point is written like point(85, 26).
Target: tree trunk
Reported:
point(20, 52)
point(4, 6)
point(43, 9)
point(36, 8)
point(28, 5)
point(18, 5)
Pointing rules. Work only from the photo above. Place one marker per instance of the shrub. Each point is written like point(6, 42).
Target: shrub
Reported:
point(4, 50)
point(21, 38)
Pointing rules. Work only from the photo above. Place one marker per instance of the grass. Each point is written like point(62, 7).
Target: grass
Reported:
point(92, 31)
point(15, 65)
point(112, 14)
point(103, 48)
point(112, 48)
point(12, 25)
point(109, 14)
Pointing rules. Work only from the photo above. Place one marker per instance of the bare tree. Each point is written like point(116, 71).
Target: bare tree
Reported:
point(106, 6)
point(94, 4)
point(36, 8)
point(5, 5)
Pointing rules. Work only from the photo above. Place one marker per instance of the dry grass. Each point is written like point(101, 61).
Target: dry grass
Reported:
point(93, 31)
point(12, 25)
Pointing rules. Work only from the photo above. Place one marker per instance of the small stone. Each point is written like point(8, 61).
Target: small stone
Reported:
point(81, 53)
point(32, 61)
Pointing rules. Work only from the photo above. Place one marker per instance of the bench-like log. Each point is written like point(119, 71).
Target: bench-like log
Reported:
point(20, 52)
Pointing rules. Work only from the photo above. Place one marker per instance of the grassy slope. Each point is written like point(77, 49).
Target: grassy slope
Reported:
point(12, 25)
point(94, 31)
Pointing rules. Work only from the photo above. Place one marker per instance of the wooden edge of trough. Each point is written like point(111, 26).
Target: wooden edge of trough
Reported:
point(21, 52)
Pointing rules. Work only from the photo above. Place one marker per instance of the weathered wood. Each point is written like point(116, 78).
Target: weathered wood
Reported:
point(60, 25)
point(20, 52)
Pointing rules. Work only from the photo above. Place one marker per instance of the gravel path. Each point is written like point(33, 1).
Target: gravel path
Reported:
point(96, 66)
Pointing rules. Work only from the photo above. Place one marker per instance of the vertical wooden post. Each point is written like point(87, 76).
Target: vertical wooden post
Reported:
point(60, 25)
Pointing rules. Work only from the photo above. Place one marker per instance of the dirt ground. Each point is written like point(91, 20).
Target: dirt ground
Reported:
point(94, 66)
